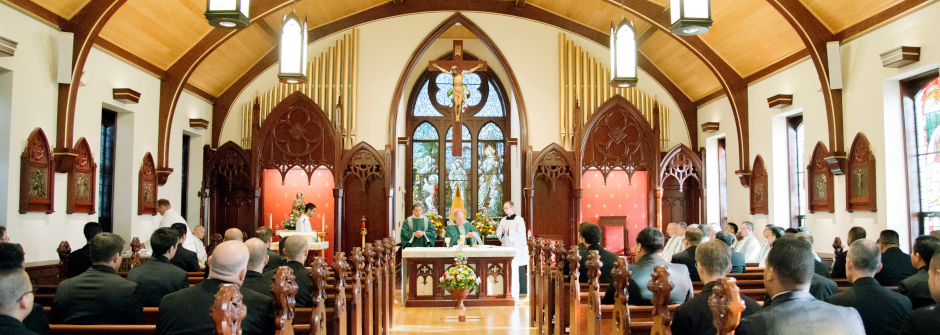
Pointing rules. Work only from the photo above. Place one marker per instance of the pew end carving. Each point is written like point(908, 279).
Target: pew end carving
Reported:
point(339, 272)
point(135, 252)
point(285, 299)
point(318, 278)
point(558, 275)
point(63, 268)
point(228, 310)
point(621, 279)
point(726, 305)
point(660, 286)
point(574, 298)
point(593, 265)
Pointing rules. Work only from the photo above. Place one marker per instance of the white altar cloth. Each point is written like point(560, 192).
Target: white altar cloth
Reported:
point(311, 236)
point(452, 252)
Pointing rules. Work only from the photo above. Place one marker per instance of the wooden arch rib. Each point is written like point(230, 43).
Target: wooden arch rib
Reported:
point(225, 101)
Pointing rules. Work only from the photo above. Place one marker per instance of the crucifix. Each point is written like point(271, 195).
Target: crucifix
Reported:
point(458, 68)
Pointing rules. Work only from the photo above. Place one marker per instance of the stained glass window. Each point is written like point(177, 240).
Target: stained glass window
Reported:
point(425, 132)
point(445, 83)
point(423, 105)
point(465, 136)
point(425, 178)
point(458, 174)
point(927, 125)
point(491, 152)
point(493, 106)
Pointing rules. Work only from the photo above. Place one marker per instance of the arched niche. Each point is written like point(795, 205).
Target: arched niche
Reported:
point(758, 192)
point(83, 180)
point(682, 179)
point(365, 197)
point(147, 187)
point(232, 197)
point(860, 186)
point(819, 181)
point(37, 175)
point(551, 195)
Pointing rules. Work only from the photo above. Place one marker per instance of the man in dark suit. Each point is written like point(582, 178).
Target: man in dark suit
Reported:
point(266, 235)
point(591, 234)
point(12, 257)
point(231, 234)
point(79, 261)
point(184, 259)
point(737, 258)
point(16, 301)
point(926, 320)
point(649, 256)
point(694, 316)
point(99, 296)
point(188, 311)
point(882, 310)
point(693, 237)
point(895, 264)
point(295, 249)
point(257, 260)
point(793, 310)
point(158, 277)
point(915, 287)
point(838, 266)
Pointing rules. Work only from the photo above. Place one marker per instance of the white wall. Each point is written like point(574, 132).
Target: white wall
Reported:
point(34, 104)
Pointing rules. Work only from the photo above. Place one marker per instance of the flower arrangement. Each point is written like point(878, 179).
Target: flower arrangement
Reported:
point(459, 276)
point(291, 222)
point(438, 223)
point(484, 224)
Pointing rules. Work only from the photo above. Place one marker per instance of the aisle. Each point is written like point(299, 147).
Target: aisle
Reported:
point(495, 320)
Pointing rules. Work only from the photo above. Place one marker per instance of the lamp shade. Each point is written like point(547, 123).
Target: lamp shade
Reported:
point(690, 17)
point(623, 54)
point(228, 13)
point(293, 50)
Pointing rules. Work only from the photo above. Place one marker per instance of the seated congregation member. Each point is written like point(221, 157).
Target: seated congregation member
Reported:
point(158, 277)
point(417, 230)
point(184, 259)
point(818, 266)
point(838, 266)
point(895, 264)
point(99, 296)
point(79, 261)
point(591, 234)
point(266, 235)
point(16, 301)
point(748, 245)
point(231, 234)
point(188, 311)
point(461, 227)
point(650, 255)
point(694, 316)
point(713, 229)
point(257, 261)
point(793, 310)
point(194, 244)
point(882, 310)
point(4, 238)
point(12, 257)
point(915, 287)
point(676, 241)
point(772, 233)
point(295, 249)
point(582, 251)
point(926, 320)
point(693, 237)
point(737, 259)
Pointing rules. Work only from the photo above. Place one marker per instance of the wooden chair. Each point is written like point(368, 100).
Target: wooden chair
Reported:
point(285, 299)
point(620, 223)
point(228, 310)
point(660, 286)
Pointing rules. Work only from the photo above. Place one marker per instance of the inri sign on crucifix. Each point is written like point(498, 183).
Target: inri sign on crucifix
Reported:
point(458, 68)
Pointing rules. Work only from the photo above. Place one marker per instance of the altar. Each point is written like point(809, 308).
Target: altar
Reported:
point(425, 266)
point(322, 246)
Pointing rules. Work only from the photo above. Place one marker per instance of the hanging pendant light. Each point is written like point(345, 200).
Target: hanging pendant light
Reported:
point(293, 50)
point(228, 13)
point(623, 54)
point(690, 17)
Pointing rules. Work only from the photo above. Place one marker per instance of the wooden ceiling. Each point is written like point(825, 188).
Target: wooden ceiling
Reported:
point(750, 36)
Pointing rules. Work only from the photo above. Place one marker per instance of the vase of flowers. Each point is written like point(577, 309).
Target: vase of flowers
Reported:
point(438, 223)
point(291, 222)
point(484, 224)
point(459, 280)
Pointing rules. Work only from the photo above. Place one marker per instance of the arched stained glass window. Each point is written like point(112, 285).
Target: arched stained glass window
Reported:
point(481, 169)
point(926, 110)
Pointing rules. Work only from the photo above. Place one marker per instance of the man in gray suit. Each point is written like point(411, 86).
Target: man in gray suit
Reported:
point(650, 255)
point(794, 310)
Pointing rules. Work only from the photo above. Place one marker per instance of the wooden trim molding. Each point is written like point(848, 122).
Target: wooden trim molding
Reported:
point(710, 127)
point(7, 47)
point(744, 177)
point(126, 95)
point(860, 184)
point(900, 57)
point(780, 101)
point(199, 123)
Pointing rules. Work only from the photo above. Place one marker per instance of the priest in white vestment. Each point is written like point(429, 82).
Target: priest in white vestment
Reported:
point(676, 242)
point(512, 233)
point(748, 245)
point(169, 215)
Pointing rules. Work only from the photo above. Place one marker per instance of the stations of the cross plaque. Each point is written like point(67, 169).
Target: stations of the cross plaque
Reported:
point(457, 68)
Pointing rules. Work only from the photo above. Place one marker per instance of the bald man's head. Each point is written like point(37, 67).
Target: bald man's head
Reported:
point(257, 254)
point(229, 262)
point(295, 248)
point(233, 234)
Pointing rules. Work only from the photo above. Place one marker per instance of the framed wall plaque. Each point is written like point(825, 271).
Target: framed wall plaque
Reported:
point(759, 192)
point(83, 180)
point(147, 187)
point(37, 175)
point(860, 186)
point(819, 191)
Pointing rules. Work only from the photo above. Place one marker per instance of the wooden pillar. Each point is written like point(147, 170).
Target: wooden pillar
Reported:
point(338, 218)
point(659, 208)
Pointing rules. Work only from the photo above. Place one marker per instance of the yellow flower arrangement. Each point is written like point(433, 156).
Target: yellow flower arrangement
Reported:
point(459, 275)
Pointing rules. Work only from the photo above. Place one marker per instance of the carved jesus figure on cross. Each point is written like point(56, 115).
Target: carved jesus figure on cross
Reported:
point(458, 68)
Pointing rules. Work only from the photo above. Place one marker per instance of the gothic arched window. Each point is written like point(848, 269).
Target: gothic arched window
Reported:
point(481, 170)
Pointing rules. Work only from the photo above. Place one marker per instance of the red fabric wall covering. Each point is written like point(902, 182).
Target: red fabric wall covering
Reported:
point(617, 198)
point(278, 199)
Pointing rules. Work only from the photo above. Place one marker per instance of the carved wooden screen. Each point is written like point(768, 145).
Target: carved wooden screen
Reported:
point(819, 181)
point(147, 187)
point(37, 175)
point(681, 176)
point(553, 210)
point(758, 190)
point(860, 186)
point(617, 136)
point(232, 197)
point(364, 196)
point(83, 180)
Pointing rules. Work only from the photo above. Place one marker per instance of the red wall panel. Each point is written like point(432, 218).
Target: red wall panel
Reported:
point(618, 198)
point(278, 199)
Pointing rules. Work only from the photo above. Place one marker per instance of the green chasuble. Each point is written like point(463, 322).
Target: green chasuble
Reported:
point(454, 232)
point(413, 224)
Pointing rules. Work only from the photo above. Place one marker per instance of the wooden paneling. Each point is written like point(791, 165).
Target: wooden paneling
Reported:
point(458, 32)
point(840, 14)
point(231, 59)
point(593, 13)
point(750, 35)
point(64, 8)
point(680, 65)
point(158, 31)
point(320, 12)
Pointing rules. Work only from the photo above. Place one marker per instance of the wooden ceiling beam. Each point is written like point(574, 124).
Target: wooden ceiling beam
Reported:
point(272, 33)
point(85, 26)
point(686, 107)
point(815, 35)
point(32, 9)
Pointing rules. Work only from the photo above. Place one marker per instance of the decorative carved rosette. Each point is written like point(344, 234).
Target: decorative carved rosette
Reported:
point(860, 186)
point(759, 191)
point(819, 189)
point(37, 175)
point(618, 136)
point(147, 187)
point(296, 134)
point(83, 178)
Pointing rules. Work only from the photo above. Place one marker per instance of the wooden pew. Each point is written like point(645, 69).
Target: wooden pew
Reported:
point(534, 275)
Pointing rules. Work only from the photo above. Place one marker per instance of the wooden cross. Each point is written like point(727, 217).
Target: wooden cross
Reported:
point(457, 68)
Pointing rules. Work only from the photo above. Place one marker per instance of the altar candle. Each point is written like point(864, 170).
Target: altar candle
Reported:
point(363, 225)
point(323, 222)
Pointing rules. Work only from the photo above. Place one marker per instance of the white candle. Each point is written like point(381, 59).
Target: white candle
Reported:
point(323, 222)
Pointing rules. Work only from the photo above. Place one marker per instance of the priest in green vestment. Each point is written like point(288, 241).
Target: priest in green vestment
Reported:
point(417, 230)
point(459, 227)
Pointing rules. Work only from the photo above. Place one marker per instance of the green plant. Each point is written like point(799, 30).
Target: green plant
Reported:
point(459, 276)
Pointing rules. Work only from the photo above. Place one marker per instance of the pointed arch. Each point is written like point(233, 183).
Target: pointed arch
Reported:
point(860, 185)
point(229, 165)
point(365, 199)
point(552, 197)
point(82, 179)
point(819, 189)
point(617, 136)
point(552, 163)
point(147, 187)
point(758, 192)
point(363, 162)
point(37, 175)
point(682, 163)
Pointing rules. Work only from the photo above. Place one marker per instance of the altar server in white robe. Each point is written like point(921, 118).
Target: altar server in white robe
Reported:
point(303, 221)
point(513, 234)
point(170, 216)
